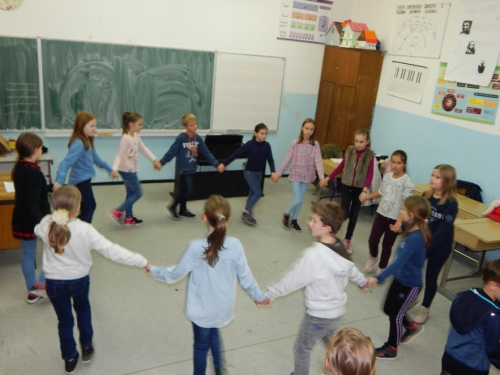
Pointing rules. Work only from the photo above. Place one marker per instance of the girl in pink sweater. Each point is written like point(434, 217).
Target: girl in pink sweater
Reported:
point(127, 163)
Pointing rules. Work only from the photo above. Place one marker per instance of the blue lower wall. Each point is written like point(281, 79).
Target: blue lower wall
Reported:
point(429, 142)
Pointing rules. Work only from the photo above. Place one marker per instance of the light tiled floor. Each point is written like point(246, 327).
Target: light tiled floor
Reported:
point(139, 324)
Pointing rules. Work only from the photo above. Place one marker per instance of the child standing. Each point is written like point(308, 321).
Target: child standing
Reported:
point(443, 199)
point(214, 262)
point(407, 271)
point(350, 353)
point(127, 164)
point(66, 263)
point(324, 271)
point(257, 151)
point(357, 167)
point(475, 328)
point(81, 158)
point(304, 155)
point(32, 204)
point(185, 150)
point(395, 188)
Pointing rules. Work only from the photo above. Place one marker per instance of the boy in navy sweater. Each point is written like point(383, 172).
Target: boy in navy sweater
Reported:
point(186, 148)
point(475, 328)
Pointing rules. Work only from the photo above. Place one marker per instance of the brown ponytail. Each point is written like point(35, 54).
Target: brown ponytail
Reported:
point(420, 208)
point(65, 199)
point(218, 213)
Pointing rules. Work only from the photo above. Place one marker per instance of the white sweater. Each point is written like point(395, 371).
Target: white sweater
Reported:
point(76, 260)
point(127, 159)
point(324, 274)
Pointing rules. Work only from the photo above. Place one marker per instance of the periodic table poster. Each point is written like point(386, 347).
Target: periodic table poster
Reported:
point(467, 101)
point(304, 20)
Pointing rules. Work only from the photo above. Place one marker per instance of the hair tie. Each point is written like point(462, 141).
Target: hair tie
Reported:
point(60, 216)
point(426, 221)
point(221, 217)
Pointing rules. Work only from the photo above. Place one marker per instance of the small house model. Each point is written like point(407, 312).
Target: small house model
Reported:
point(367, 40)
point(351, 33)
point(333, 36)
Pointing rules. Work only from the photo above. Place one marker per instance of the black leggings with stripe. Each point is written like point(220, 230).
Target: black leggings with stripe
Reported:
point(398, 301)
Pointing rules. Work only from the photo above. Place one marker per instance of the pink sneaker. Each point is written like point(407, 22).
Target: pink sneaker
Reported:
point(348, 247)
point(117, 216)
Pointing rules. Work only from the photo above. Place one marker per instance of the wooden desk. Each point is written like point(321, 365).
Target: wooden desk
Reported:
point(6, 207)
point(478, 234)
point(7, 163)
point(328, 167)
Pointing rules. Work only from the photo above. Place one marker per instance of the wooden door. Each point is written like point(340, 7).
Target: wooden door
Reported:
point(348, 61)
point(323, 109)
point(339, 130)
point(364, 104)
point(330, 69)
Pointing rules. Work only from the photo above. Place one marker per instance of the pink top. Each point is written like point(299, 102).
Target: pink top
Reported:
point(127, 159)
point(304, 157)
point(369, 172)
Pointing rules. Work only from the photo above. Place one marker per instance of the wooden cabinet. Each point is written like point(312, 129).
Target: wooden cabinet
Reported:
point(347, 93)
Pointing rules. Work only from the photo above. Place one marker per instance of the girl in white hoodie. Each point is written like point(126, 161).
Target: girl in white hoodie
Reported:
point(324, 271)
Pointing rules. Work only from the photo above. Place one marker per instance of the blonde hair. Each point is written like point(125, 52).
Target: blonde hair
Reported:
point(218, 213)
point(82, 118)
point(301, 135)
point(127, 118)
point(365, 133)
point(420, 208)
point(350, 352)
point(186, 118)
point(26, 145)
point(67, 198)
point(449, 183)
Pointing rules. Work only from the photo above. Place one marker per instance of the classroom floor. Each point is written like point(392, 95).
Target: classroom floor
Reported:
point(139, 324)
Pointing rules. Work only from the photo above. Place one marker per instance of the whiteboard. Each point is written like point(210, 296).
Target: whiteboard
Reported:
point(247, 92)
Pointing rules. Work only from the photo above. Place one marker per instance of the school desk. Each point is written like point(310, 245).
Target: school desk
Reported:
point(6, 207)
point(7, 163)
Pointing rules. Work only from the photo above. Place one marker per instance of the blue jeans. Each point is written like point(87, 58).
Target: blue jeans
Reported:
point(28, 263)
point(61, 292)
point(254, 180)
point(204, 339)
point(88, 204)
point(185, 190)
point(299, 190)
point(134, 192)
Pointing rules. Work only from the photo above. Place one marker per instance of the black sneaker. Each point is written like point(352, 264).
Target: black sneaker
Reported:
point(130, 221)
point(186, 213)
point(285, 221)
point(295, 226)
point(387, 352)
point(88, 354)
point(70, 364)
point(172, 212)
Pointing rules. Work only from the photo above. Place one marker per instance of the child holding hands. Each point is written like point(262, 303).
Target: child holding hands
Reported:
point(407, 271)
point(215, 263)
point(324, 271)
point(127, 164)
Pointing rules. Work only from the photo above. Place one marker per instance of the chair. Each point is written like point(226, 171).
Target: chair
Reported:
point(329, 151)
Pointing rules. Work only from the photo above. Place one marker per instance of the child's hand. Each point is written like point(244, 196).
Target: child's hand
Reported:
point(363, 197)
point(323, 182)
point(265, 302)
point(275, 177)
point(147, 267)
point(371, 282)
point(396, 228)
point(56, 186)
point(221, 168)
point(114, 174)
point(157, 165)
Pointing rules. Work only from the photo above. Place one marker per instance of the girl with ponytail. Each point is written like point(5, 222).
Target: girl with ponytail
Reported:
point(215, 263)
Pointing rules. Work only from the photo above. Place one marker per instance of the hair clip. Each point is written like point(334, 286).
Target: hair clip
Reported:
point(221, 217)
point(426, 221)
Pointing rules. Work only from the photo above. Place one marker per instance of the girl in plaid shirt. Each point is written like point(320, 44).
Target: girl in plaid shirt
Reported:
point(304, 156)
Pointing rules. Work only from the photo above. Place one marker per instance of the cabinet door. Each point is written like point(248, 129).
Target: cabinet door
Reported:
point(339, 130)
point(364, 104)
point(323, 109)
point(348, 61)
point(330, 69)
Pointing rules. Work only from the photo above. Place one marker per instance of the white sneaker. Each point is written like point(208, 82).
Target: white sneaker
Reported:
point(422, 315)
point(369, 265)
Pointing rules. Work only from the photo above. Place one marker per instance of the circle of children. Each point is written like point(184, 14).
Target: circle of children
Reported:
point(218, 260)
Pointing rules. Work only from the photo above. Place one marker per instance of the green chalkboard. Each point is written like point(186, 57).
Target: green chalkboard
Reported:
point(105, 79)
point(19, 84)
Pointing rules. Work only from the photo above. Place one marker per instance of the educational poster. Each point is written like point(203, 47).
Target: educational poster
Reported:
point(304, 20)
point(407, 81)
point(476, 45)
point(466, 101)
point(418, 29)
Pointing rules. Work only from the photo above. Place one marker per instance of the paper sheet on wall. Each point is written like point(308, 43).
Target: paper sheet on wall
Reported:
point(467, 101)
point(9, 187)
point(407, 81)
point(304, 20)
point(475, 49)
point(418, 29)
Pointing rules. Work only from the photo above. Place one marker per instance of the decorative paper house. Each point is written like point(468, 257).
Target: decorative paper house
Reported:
point(333, 36)
point(351, 33)
point(367, 39)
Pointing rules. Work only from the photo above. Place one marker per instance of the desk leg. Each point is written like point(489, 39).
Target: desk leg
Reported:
point(444, 277)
